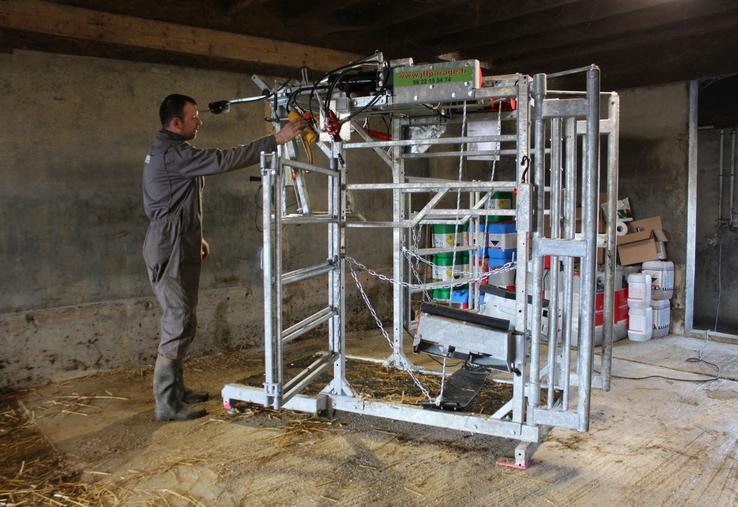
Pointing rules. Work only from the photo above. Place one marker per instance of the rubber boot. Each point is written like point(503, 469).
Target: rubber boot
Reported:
point(187, 395)
point(169, 406)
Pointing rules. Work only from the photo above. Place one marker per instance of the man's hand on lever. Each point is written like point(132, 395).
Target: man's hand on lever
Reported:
point(204, 249)
point(290, 130)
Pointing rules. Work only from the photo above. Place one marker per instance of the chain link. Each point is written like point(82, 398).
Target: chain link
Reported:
point(436, 285)
point(403, 366)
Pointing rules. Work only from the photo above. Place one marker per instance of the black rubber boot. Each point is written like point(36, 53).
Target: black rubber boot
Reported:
point(169, 406)
point(187, 395)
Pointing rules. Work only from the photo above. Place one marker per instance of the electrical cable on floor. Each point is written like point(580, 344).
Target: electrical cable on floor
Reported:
point(689, 360)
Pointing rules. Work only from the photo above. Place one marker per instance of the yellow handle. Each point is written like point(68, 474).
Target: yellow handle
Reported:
point(309, 135)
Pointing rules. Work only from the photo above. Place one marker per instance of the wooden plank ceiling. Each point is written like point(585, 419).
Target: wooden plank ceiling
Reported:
point(635, 42)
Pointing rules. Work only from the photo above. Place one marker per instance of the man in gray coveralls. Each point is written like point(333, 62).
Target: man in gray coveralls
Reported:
point(174, 247)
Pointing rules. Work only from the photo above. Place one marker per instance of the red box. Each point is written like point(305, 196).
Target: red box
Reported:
point(599, 318)
point(621, 313)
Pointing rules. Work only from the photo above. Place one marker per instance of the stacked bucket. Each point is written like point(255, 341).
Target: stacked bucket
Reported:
point(452, 265)
point(501, 241)
point(649, 294)
point(640, 313)
point(662, 288)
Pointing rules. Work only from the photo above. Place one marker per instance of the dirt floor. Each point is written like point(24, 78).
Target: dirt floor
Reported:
point(93, 441)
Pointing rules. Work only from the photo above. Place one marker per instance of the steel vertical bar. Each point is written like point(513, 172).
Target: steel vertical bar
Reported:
point(613, 148)
point(332, 275)
point(570, 199)
point(397, 216)
point(479, 260)
point(589, 262)
point(407, 316)
point(523, 212)
point(266, 266)
point(339, 246)
point(279, 189)
point(539, 176)
point(555, 213)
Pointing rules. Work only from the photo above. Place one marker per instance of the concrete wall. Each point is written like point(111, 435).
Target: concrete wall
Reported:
point(716, 249)
point(653, 167)
point(74, 291)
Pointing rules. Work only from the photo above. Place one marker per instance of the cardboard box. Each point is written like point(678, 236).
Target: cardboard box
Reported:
point(645, 241)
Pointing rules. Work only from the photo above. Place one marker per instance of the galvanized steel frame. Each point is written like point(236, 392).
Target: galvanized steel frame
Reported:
point(526, 416)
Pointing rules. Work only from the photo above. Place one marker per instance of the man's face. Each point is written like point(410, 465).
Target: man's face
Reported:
point(190, 123)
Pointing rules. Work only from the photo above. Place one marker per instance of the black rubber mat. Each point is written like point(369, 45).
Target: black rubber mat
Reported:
point(504, 293)
point(461, 388)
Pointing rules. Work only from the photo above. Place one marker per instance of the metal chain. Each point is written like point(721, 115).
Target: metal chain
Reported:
point(501, 269)
point(409, 253)
point(415, 234)
point(402, 364)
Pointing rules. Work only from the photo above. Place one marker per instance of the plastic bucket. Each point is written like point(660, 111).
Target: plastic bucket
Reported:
point(446, 269)
point(444, 294)
point(500, 200)
point(500, 257)
point(445, 235)
point(502, 236)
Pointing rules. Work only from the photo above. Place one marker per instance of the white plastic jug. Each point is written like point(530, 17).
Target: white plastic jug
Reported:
point(661, 317)
point(639, 290)
point(662, 278)
point(640, 324)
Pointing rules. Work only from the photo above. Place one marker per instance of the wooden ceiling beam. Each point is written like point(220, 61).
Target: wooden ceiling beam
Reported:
point(51, 19)
point(628, 44)
point(408, 37)
point(584, 17)
point(624, 26)
point(382, 14)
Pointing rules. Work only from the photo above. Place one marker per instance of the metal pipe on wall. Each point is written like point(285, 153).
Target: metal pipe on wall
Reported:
point(732, 177)
point(720, 187)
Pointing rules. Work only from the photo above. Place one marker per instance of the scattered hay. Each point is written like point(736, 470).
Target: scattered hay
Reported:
point(32, 471)
point(74, 404)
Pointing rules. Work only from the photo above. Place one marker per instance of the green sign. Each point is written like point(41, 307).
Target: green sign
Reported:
point(421, 77)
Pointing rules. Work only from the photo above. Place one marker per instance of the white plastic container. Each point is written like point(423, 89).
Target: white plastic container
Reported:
point(639, 290)
point(661, 317)
point(662, 278)
point(640, 324)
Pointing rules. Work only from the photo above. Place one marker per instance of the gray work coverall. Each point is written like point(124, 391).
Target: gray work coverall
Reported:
point(172, 193)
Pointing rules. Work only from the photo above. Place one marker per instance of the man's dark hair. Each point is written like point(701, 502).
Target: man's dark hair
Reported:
point(173, 107)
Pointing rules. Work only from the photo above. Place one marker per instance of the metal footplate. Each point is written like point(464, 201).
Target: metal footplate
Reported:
point(478, 339)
